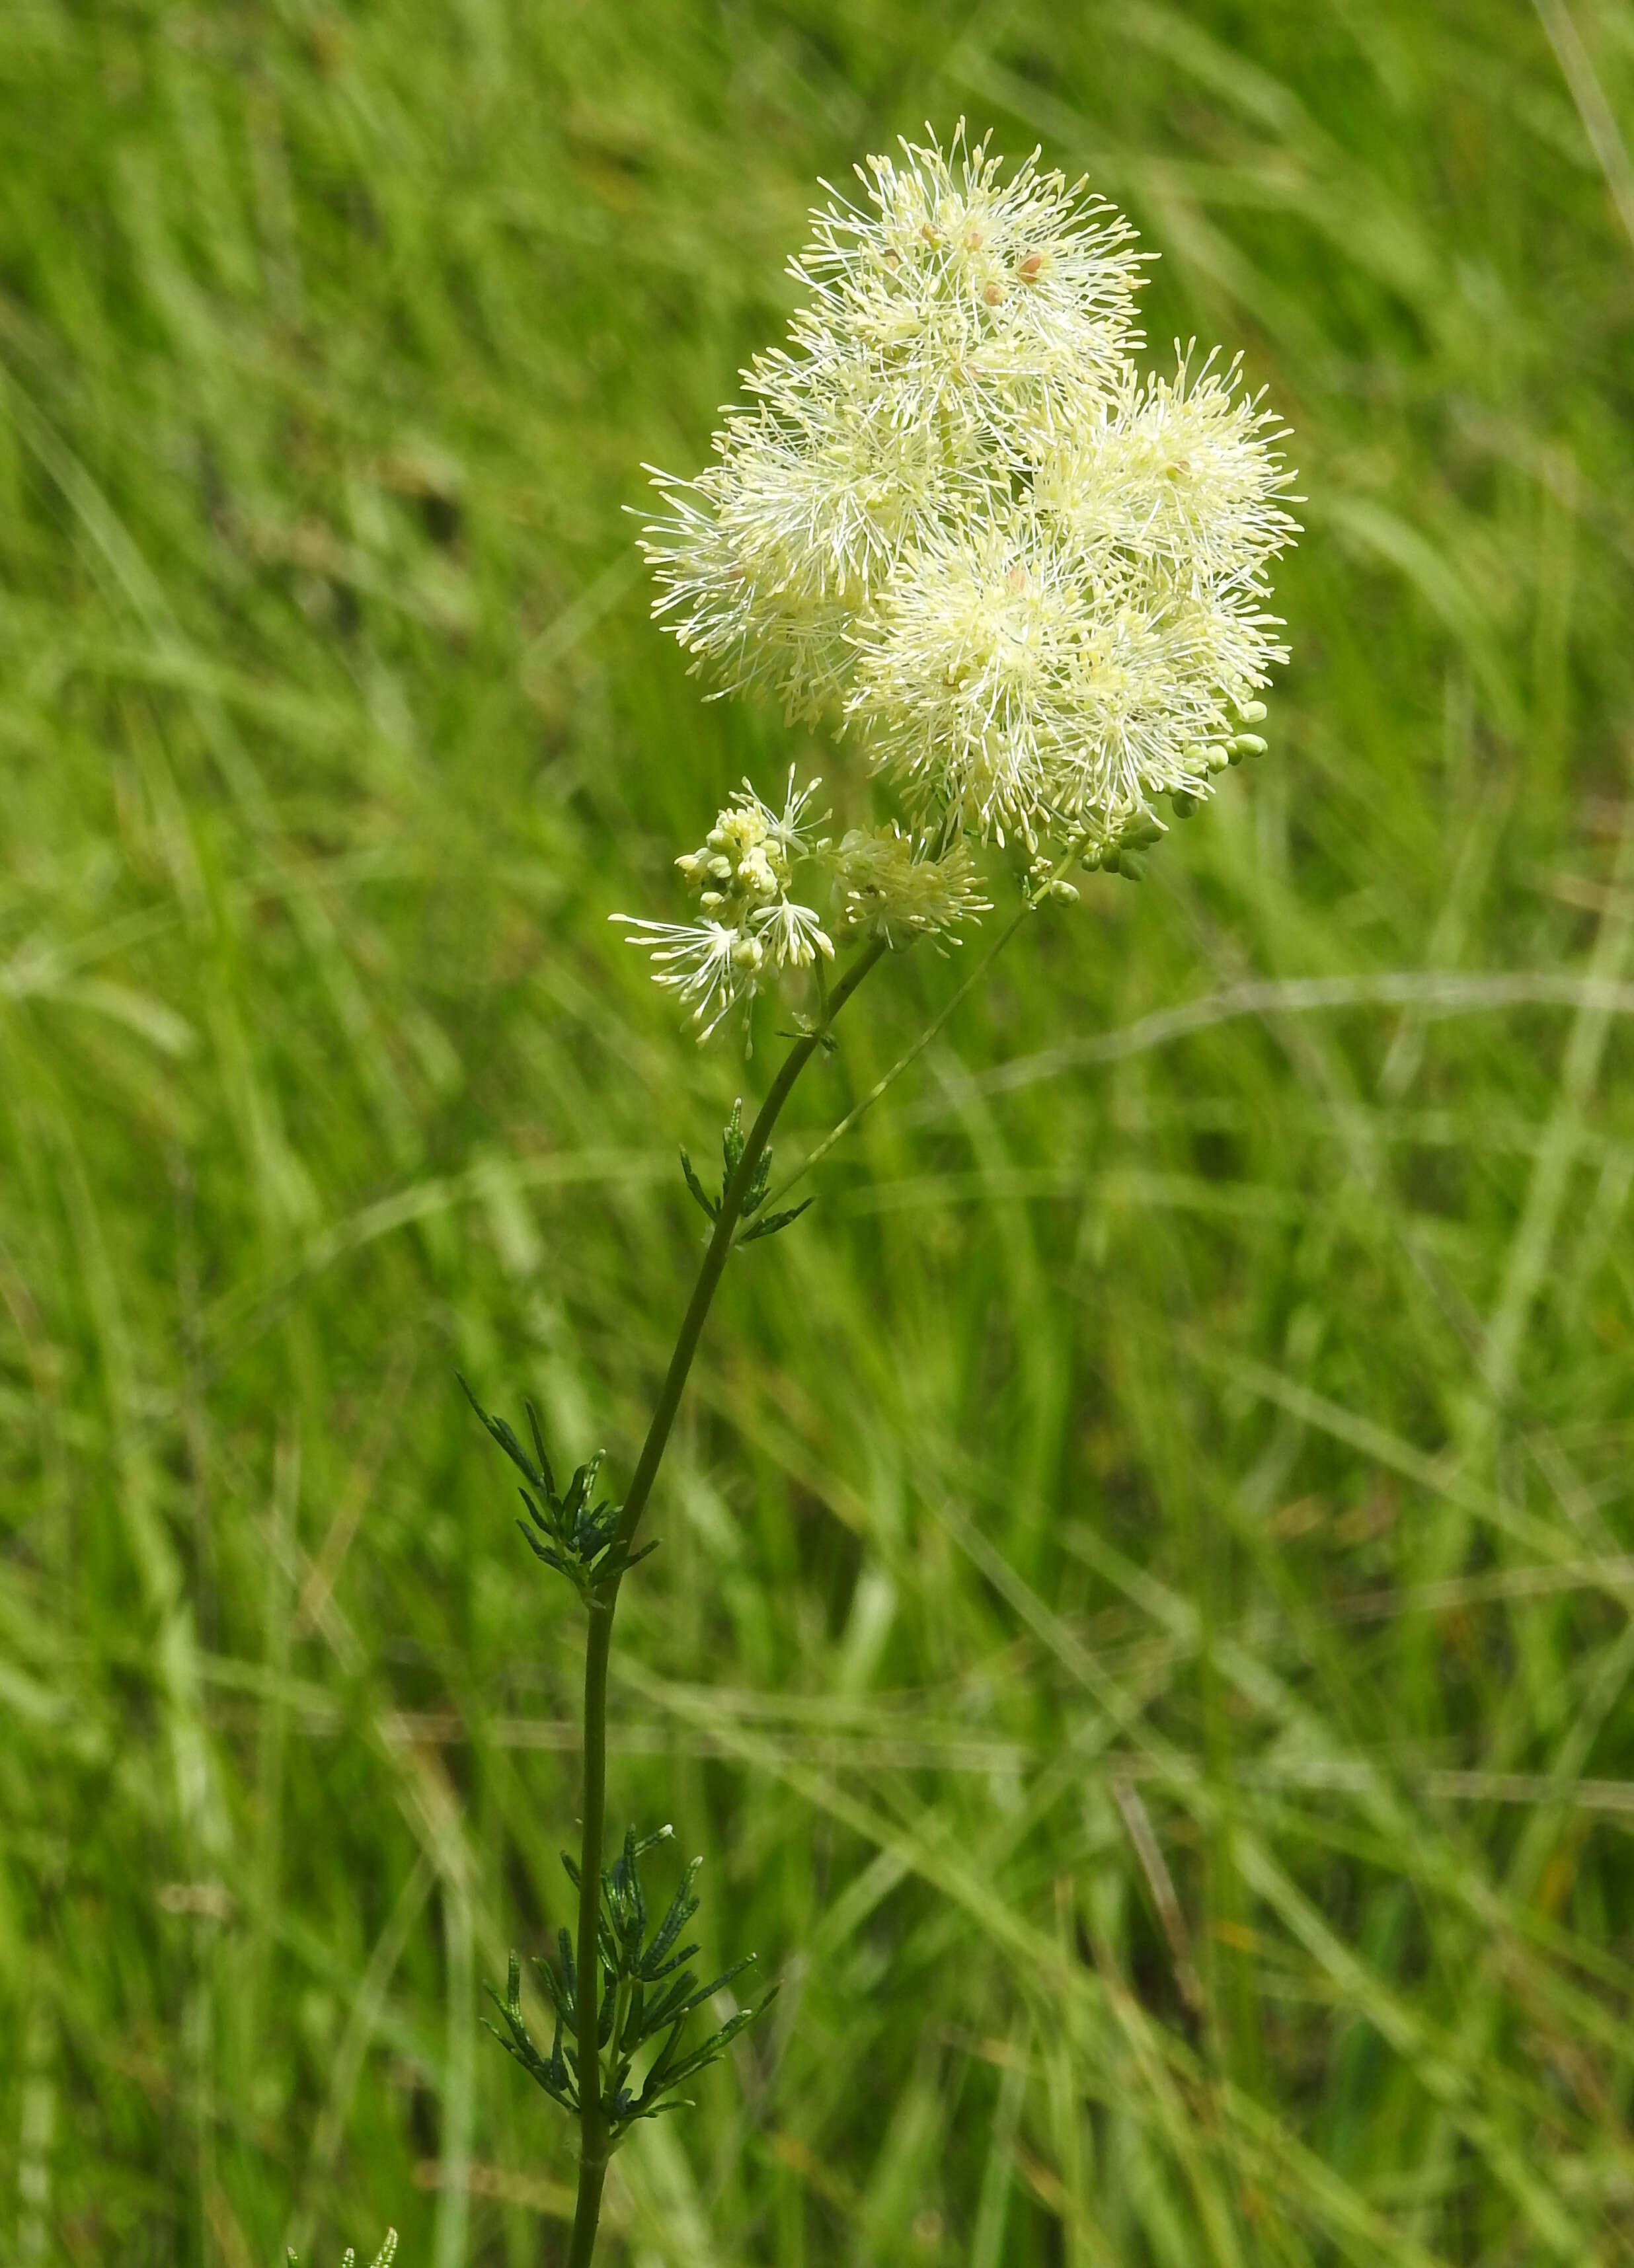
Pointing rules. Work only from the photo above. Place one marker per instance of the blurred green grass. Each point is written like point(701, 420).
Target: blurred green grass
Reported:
point(1143, 1635)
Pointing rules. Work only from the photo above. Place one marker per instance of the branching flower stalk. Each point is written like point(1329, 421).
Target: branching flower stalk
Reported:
point(1027, 585)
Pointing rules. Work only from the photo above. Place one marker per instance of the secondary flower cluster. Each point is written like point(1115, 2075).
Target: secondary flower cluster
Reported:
point(1028, 579)
point(892, 887)
point(750, 928)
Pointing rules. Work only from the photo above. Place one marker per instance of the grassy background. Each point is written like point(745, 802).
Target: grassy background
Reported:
point(1143, 1631)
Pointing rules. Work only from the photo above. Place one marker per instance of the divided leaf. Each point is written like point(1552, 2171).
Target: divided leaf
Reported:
point(629, 2015)
point(568, 1532)
point(710, 1204)
point(772, 1222)
point(733, 1142)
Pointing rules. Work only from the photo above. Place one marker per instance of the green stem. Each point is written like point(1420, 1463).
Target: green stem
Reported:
point(592, 2136)
point(588, 2210)
point(592, 2120)
point(1029, 904)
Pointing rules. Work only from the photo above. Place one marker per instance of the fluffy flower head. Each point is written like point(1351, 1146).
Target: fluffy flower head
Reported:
point(985, 295)
point(1032, 580)
point(894, 888)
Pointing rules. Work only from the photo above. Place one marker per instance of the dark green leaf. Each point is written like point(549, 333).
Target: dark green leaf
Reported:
point(698, 1188)
point(771, 1224)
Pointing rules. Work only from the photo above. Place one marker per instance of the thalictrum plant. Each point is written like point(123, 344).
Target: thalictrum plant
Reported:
point(1026, 584)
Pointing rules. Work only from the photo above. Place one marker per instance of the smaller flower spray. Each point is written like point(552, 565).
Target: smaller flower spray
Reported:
point(1027, 585)
point(750, 928)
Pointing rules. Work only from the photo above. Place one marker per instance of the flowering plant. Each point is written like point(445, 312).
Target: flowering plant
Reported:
point(1029, 585)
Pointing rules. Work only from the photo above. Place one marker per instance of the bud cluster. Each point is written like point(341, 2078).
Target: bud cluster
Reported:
point(751, 927)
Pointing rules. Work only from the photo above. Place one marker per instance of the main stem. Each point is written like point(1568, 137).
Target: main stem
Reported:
point(593, 2124)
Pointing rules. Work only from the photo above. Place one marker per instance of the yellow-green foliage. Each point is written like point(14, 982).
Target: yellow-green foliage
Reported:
point(1141, 1630)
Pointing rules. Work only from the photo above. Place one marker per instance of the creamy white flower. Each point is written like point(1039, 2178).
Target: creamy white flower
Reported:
point(894, 888)
point(792, 828)
point(957, 328)
point(1031, 686)
point(746, 861)
point(743, 592)
point(1007, 296)
point(711, 965)
point(792, 935)
point(1175, 471)
point(384, 2258)
point(750, 928)
point(1031, 581)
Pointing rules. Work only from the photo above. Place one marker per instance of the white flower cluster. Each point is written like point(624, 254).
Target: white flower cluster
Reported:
point(890, 887)
point(751, 927)
point(1032, 581)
